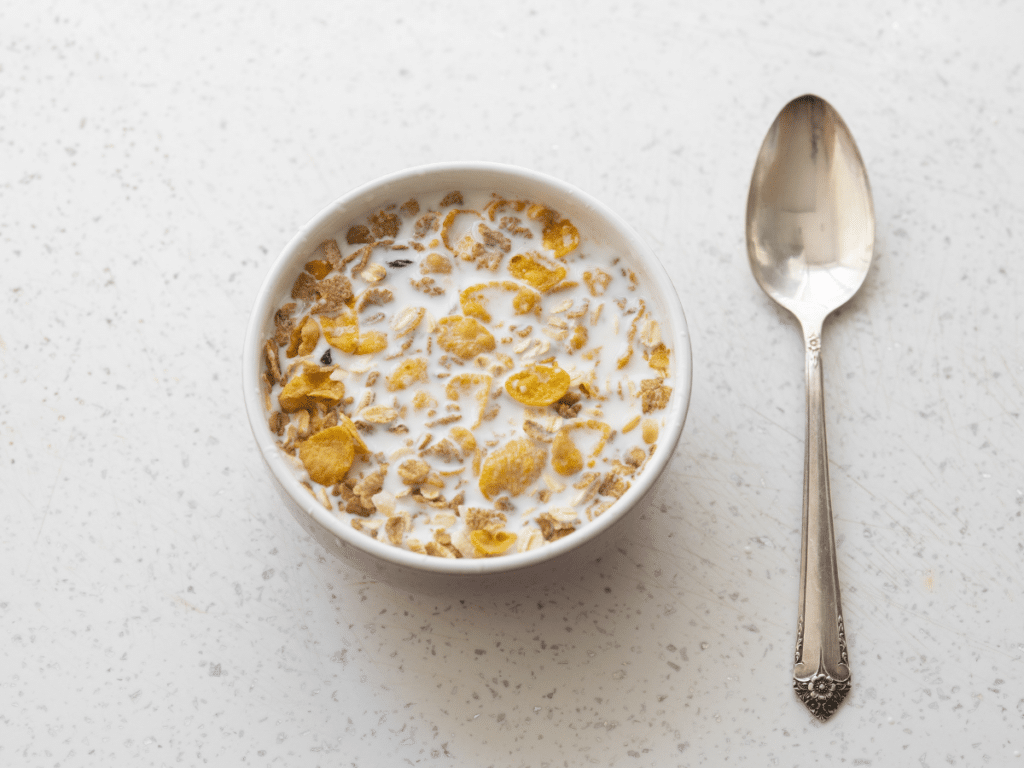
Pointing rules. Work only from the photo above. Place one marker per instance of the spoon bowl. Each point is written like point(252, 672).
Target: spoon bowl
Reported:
point(810, 238)
point(810, 224)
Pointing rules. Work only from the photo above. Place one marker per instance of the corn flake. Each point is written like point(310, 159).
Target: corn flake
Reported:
point(474, 300)
point(464, 336)
point(463, 382)
point(512, 468)
point(489, 544)
point(313, 385)
point(537, 270)
point(413, 369)
point(328, 455)
point(538, 385)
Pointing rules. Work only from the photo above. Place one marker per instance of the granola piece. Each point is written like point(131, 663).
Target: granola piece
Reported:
point(283, 324)
point(397, 526)
point(452, 198)
point(409, 371)
point(435, 264)
point(613, 485)
point(512, 468)
point(374, 273)
point(514, 226)
point(556, 524)
point(379, 414)
point(413, 471)
point(332, 253)
point(304, 287)
point(478, 519)
point(464, 336)
point(384, 224)
point(272, 362)
point(406, 321)
point(635, 458)
point(428, 286)
point(504, 504)
point(360, 233)
point(437, 549)
point(445, 450)
point(410, 208)
point(426, 224)
point(372, 484)
point(529, 539)
point(494, 239)
point(277, 422)
point(334, 294)
point(374, 297)
point(654, 395)
point(423, 400)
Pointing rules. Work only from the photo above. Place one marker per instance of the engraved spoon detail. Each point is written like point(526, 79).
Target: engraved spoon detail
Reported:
point(810, 239)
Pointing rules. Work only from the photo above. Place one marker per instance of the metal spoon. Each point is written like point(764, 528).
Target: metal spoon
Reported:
point(810, 238)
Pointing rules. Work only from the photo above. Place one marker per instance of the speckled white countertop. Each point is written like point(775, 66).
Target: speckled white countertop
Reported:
point(156, 606)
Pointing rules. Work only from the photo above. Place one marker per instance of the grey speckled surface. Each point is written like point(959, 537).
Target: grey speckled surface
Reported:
point(156, 608)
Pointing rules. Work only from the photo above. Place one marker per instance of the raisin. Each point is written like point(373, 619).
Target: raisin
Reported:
point(326, 358)
point(399, 263)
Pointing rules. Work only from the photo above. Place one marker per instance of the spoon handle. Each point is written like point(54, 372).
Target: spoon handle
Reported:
point(821, 675)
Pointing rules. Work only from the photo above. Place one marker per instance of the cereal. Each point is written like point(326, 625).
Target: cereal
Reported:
point(538, 385)
point(486, 363)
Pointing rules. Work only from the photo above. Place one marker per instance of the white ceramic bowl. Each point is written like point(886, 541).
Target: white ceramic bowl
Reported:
point(596, 223)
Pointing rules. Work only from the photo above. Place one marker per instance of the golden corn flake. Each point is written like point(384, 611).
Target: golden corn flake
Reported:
point(449, 223)
point(410, 370)
point(464, 382)
point(423, 399)
point(659, 359)
point(487, 544)
point(342, 332)
point(370, 342)
point(435, 264)
point(313, 385)
point(649, 430)
point(579, 337)
point(344, 422)
point(464, 336)
point(566, 458)
point(512, 468)
point(631, 425)
point(538, 385)
point(474, 299)
point(537, 270)
point(328, 455)
point(464, 438)
point(559, 235)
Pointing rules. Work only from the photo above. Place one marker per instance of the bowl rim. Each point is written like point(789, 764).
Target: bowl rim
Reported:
point(283, 267)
